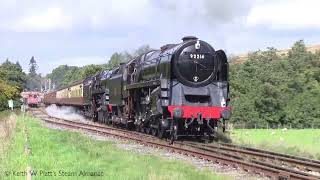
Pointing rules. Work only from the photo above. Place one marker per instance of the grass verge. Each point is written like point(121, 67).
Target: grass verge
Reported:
point(59, 154)
point(298, 142)
point(7, 126)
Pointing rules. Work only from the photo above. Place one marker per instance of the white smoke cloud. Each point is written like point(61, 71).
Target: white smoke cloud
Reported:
point(211, 12)
point(285, 14)
point(46, 16)
point(65, 112)
point(50, 19)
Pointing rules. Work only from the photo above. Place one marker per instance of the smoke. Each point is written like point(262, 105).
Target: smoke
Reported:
point(64, 112)
point(66, 15)
point(211, 12)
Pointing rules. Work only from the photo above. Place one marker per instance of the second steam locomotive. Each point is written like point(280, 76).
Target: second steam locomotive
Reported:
point(179, 90)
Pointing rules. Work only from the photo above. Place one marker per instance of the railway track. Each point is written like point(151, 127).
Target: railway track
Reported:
point(264, 163)
point(285, 162)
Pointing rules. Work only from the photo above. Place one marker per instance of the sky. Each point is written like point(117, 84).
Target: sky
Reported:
point(81, 32)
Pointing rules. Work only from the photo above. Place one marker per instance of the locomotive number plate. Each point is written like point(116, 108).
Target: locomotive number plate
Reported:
point(196, 56)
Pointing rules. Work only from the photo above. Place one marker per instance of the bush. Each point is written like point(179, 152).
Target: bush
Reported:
point(277, 89)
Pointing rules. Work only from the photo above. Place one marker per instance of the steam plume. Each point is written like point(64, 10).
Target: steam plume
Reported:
point(64, 112)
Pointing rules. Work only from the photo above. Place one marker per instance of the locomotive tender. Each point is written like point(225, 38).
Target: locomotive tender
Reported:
point(179, 90)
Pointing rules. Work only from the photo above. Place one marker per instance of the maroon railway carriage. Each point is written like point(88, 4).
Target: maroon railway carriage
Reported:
point(71, 96)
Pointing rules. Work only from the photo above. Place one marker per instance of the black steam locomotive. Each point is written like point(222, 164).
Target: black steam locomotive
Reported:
point(180, 90)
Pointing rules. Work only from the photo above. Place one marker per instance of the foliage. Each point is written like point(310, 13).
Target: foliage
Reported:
point(277, 89)
point(34, 83)
point(12, 81)
point(65, 75)
point(33, 67)
point(12, 73)
point(71, 75)
point(34, 80)
point(7, 92)
point(90, 70)
point(115, 60)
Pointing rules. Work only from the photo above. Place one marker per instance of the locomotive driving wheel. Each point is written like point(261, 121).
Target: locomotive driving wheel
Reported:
point(154, 131)
point(161, 132)
point(148, 130)
point(142, 129)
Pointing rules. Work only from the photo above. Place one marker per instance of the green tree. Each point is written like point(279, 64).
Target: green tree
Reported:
point(33, 67)
point(90, 70)
point(115, 60)
point(12, 81)
point(33, 79)
point(58, 75)
point(72, 75)
point(7, 92)
point(13, 74)
point(141, 50)
point(277, 89)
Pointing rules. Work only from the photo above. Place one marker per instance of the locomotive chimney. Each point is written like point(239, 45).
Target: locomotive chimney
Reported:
point(189, 38)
